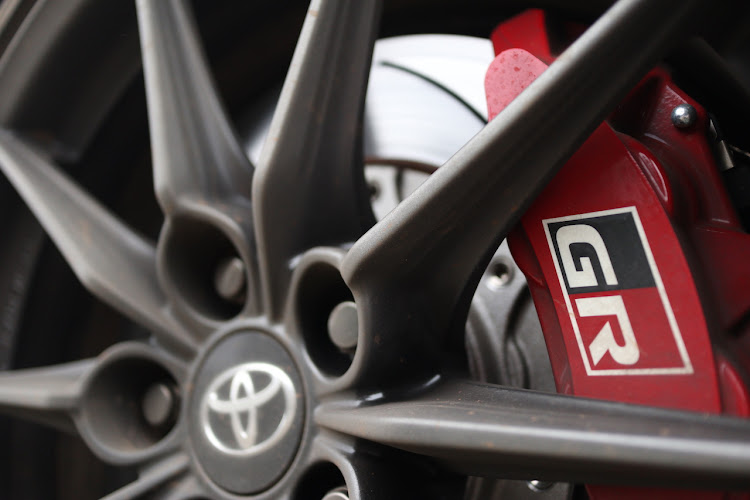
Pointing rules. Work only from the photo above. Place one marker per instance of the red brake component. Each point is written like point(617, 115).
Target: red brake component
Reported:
point(634, 255)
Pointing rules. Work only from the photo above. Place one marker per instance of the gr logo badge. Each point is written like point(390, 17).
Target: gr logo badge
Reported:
point(616, 301)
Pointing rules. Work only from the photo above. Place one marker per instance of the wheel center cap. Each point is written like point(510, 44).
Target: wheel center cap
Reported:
point(237, 395)
point(247, 412)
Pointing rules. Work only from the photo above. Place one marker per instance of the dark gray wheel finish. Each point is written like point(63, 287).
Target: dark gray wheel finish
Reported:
point(384, 412)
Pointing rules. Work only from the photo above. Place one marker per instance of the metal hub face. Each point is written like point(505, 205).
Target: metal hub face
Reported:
point(246, 412)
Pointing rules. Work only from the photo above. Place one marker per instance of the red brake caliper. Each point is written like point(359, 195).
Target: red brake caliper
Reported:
point(636, 260)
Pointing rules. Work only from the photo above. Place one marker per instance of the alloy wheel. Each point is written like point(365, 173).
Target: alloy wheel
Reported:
point(277, 275)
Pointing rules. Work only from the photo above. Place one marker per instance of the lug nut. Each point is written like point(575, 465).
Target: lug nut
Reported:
point(343, 326)
point(158, 404)
point(684, 116)
point(229, 279)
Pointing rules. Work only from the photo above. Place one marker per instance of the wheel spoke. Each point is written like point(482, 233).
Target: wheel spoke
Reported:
point(152, 478)
point(481, 429)
point(196, 155)
point(44, 395)
point(113, 262)
point(430, 251)
point(310, 180)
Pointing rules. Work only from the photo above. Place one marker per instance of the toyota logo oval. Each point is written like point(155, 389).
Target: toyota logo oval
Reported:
point(236, 398)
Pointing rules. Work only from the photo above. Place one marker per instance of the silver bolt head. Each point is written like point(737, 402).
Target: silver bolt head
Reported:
point(684, 116)
point(158, 404)
point(500, 274)
point(343, 326)
point(539, 486)
point(229, 279)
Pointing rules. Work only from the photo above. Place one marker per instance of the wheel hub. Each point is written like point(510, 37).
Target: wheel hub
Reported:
point(246, 411)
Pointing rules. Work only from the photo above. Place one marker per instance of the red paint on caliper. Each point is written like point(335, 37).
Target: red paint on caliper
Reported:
point(614, 247)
